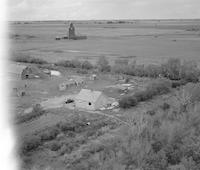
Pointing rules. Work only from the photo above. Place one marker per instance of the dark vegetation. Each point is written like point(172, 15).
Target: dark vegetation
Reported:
point(75, 64)
point(29, 59)
point(36, 112)
point(63, 136)
point(157, 87)
point(173, 69)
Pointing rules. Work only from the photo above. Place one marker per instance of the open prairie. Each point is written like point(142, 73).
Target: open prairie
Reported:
point(147, 41)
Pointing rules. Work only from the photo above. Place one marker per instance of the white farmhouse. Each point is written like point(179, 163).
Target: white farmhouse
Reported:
point(90, 100)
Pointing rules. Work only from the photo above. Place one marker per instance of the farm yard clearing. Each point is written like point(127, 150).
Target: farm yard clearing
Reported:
point(77, 103)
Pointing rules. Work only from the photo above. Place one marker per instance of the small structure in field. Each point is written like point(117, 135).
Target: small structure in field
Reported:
point(32, 72)
point(72, 35)
point(63, 86)
point(93, 77)
point(55, 73)
point(91, 100)
point(71, 82)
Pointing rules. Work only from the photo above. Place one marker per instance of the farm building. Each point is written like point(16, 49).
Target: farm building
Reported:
point(31, 72)
point(90, 100)
point(15, 70)
point(72, 35)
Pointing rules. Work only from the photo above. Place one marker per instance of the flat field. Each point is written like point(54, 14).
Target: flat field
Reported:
point(146, 41)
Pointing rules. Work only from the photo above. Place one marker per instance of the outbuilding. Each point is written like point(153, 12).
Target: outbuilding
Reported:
point(91, 100)
point(31, 72)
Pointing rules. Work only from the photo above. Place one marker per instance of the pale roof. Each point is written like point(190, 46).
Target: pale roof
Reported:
point(88, 95)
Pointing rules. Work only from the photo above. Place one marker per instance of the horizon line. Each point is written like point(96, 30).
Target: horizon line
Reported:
point(104, 19)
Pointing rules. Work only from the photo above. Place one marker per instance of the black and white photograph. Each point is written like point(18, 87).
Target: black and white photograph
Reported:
point(102, 84)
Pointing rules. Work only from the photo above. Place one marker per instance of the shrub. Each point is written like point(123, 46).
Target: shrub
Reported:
point(139, 71)
point(81, 71)
point(69, 63)
point(127, 102)
point(165, 106)
point(190, 71)
point(117, 68)
point(178, 83)
point(86, 65)
point(152, 71)
point(49, 134)
point(159, 87)
point(171, 69)
point(54, 146)
point(193, 91)
point(156, 161)
point(30, 144)
point(36, 112)
point(141, 96)
point(75, 63)
point(103, 64)
point(29, 59)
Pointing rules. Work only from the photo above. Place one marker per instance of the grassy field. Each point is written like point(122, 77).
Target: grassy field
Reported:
point(155, 126)
point(145, 41)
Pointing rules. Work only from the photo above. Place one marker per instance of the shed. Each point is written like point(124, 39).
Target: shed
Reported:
point(90, 100)
point(31, 72)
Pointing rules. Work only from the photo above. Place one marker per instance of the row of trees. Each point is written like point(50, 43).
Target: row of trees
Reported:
point(173, 69)
point(157, 87)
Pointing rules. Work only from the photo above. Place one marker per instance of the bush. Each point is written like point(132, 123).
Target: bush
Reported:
point(30, 144)
point(178, 83)
point(152, 71)
point(29, 59)
point(54, 146)
point(49, 134)
point(103, 64)
point(158, 87)
point(86, 65)
point(65, 126)
point(69, 63)
point(75, 64)
point(36, 112)
point(190, 71)
point(171, 69)
point(165, 106)
point(127, 102)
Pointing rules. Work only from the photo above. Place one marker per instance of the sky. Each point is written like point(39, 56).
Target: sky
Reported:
point(102, 9)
